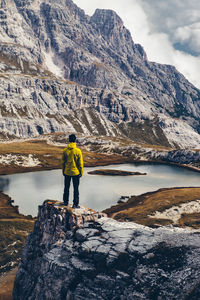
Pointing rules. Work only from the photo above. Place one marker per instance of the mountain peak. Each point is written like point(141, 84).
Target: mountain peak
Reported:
point(107, 14)
point(107, 21)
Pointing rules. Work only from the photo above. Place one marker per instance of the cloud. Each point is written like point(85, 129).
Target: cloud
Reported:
point(180, 20)
point(169, 30)
point(187, 38)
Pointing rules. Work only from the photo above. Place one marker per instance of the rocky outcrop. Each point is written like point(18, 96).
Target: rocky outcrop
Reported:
point(56, 62)
point(80, 254)
point(142, 152)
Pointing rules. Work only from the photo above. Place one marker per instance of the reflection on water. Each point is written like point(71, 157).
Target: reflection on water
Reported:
point(98, 192)
point(4, 183)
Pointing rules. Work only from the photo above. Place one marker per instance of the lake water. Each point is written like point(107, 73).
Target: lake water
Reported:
point(98, 192)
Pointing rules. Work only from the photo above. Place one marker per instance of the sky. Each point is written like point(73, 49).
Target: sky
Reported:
point(169, 30)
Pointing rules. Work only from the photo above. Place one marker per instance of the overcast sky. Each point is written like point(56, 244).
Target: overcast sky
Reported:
point(169, 30)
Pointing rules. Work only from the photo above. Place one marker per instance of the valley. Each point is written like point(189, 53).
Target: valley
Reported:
point(63, 71)
point(44, 153)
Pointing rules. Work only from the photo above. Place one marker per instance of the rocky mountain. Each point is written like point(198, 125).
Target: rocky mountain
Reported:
point(84, 255)
point(61, 70)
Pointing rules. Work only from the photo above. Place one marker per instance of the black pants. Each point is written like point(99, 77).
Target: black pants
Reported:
point(75, 180)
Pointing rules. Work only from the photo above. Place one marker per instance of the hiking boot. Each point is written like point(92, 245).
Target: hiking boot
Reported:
point(76, 206)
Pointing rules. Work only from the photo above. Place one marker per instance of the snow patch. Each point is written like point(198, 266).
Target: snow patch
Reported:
point(19, 160)
point(51, 65)
point(109, 224)
point(174, 213)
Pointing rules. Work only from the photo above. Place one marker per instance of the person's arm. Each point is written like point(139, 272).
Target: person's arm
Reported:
point(80, 163)
point(63, 162)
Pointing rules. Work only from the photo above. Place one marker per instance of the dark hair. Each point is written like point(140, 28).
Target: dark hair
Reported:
point(72, 138)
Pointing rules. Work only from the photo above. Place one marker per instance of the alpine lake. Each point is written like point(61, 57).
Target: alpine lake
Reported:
point(96, 191)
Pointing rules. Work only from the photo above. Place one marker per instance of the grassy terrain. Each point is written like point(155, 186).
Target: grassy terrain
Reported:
point(137, 208)
point(50, 156)
point(188, 219)
point(6, 285)
point(14, 229)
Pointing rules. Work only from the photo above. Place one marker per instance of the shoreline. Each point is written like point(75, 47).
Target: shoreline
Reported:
point(122, 160)
point(101, 160)
point(42, 155)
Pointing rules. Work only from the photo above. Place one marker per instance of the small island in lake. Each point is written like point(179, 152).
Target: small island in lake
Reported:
point(111, 172)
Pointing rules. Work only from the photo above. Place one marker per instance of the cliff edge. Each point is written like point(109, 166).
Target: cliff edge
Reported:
point(80, 254)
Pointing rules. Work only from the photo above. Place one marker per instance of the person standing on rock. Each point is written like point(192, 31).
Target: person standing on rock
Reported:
point(72, 168)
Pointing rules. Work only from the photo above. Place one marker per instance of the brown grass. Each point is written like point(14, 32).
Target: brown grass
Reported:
point(30, 147)
point(14, 228)
point(6, 285)
point(50, 156)
point(137, 208)
point(7, 210)
point(191, 220)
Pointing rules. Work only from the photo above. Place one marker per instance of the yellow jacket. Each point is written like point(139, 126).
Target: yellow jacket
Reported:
point(72, 161)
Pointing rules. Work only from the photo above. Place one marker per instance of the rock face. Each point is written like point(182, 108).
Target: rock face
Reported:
point(61, 70)
point(85, 255)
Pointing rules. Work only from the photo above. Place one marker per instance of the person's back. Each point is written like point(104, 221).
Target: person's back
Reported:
point(73, 160)
point(72, 168)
